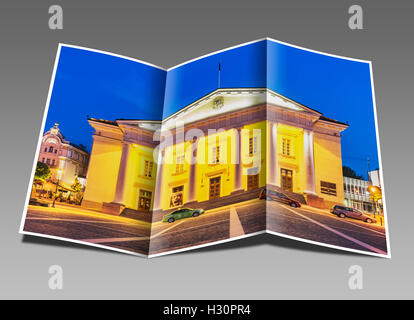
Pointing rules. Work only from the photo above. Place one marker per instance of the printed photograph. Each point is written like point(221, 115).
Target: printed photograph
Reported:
point(261, 137)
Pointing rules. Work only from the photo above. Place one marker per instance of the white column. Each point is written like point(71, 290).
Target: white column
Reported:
point(158, 181)
point(272, 174)
point(309, 161)
point(122, 172)
point(238, 164)
point(192, 181)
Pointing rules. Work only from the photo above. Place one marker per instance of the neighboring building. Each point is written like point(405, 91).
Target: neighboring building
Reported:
point(283, 145)
point(67, 161)
point(375, 178)
point(357, 194)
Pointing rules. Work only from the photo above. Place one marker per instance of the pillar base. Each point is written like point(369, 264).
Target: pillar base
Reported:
point(112, 208)
point(314, 200)
point(192, 204)
point(237, 191)
point(272, 186)
point(158, 214)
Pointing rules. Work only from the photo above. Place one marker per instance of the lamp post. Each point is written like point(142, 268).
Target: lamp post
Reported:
point(59, 172)
point(376, 195)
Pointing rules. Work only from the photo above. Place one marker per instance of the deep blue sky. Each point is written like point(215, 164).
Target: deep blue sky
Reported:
point(102, 86)
point(240, 68)
point(338, 88)
point(108, 87)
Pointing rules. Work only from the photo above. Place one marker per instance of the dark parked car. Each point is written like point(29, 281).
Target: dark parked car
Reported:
point(279, 197)
point(37, 202)
point(342, 212)
point(181, 214)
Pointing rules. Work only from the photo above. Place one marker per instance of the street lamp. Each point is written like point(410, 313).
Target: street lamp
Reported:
point(376, 195)
point(59, 172)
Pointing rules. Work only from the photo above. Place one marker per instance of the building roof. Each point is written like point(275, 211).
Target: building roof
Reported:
point(113, 123)
point(333, 121)
point(219, 91)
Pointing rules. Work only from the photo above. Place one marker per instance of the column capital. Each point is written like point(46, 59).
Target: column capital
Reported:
point(126, 142)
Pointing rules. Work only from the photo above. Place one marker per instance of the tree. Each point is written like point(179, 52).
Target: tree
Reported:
point(376, 196)
point(349, 172)
point(77, 187)
point(41, 174)
point(42, 171)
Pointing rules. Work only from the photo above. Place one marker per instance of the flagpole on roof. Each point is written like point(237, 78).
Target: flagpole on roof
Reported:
point(219, 71)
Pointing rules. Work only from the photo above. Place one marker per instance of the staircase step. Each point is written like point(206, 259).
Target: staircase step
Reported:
point(137, 215)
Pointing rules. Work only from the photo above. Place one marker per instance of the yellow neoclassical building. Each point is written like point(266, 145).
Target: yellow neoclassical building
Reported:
point(228, 144)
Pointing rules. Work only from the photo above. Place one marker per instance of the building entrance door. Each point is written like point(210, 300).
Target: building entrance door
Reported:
point(286, 177)
point(144, 200)
point(215, 188)
point(252, 181)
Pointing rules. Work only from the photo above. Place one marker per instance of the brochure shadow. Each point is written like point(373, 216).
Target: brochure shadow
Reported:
point(268, 239)
point(38, 240)
point(262, 239)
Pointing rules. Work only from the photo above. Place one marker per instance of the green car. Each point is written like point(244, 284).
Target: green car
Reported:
point(181, 214)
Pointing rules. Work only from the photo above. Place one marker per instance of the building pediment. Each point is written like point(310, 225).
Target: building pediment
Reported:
point(277, 100)
point(139, 124)
point(222, 101)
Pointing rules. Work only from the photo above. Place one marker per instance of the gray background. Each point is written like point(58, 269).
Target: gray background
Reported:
point(167, 33)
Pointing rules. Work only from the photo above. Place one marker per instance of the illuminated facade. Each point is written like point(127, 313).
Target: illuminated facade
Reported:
point(66, 161)
point(228, 142)
point(122, 169)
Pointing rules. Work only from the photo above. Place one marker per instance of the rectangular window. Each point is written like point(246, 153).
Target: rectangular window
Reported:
point(148, 168)
point(286, 146)
point(53, 162)
point(215, 154)
point(252, 145)
point(179, 164)
point(48, 161)
point(328, 188)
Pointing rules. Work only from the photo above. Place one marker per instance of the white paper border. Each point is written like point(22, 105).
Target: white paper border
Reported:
point(21, 231)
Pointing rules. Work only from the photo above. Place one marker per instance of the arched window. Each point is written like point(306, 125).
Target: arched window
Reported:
point(51, 149)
